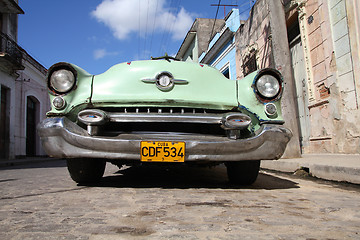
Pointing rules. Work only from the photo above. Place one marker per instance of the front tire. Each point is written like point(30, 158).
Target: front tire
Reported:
point(86, 170)
point(243, 172)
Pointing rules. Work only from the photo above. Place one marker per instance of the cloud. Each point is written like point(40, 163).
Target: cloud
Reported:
point(125, 17)
point(101, 53)
point(180, 28)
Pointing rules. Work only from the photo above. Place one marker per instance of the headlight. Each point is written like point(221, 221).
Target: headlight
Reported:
point(61, 78)
point(268, 86)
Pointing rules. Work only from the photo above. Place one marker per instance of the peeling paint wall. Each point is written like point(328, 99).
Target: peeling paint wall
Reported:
point(330, 36)
point(262, 42)
point(254, 37)
point(334, 111)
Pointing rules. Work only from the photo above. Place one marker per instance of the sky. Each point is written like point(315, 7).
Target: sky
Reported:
point(97, 34)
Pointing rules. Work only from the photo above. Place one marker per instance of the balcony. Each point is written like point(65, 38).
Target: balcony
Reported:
point(11, 54)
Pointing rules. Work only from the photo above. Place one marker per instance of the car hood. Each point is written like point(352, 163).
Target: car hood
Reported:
point(125, 85)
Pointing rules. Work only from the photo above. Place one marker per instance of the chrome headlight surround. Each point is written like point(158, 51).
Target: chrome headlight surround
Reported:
point(268, 85)
point(62, 78)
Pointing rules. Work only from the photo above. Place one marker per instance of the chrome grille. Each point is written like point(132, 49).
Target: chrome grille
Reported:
point(168, 120)
point(168, 110)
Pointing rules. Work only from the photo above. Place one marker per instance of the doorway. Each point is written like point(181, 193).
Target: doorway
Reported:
point(31, 122)
point(299, 73)
point(4, 123)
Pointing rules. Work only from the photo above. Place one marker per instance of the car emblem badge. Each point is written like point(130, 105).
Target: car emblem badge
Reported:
point(164, 81)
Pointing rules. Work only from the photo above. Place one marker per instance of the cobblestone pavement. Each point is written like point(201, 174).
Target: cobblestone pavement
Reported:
point(42, 202)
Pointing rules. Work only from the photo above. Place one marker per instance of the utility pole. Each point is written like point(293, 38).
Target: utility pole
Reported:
point(224, 5)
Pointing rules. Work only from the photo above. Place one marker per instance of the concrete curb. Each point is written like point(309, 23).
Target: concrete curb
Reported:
point(334, 167)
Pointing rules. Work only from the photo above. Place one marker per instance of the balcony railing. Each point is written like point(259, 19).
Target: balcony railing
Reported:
point(12, 52)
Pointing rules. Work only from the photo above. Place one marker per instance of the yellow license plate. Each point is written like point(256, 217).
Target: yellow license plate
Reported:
point(162, 151)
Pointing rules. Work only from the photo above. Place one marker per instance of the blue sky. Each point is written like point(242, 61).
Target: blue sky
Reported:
point(97, 34)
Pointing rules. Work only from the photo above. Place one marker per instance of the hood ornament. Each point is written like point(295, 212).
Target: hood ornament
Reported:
point(164, 81)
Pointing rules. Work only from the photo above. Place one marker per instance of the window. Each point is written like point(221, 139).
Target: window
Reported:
point(249, 65)
point(226, 73)
point(225, 70)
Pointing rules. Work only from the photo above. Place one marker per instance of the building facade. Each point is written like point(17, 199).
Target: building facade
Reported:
point(221, 50)
point(324, 44)
point(315, 45)
point(24, 98)
point(197, 39)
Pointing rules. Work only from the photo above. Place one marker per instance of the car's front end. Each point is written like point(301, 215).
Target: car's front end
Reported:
point(163, 111)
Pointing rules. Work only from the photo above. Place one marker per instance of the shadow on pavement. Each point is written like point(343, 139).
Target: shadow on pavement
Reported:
point(36, 163)
point(184, 177)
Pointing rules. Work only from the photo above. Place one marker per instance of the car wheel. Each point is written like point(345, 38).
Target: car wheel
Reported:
point(243, 172)
point(86, 170)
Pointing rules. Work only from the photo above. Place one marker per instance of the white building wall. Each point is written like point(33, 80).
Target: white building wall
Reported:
point(8, 81)
point(31, 83)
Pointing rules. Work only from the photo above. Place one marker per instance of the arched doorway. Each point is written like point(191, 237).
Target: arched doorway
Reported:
point(32, 119)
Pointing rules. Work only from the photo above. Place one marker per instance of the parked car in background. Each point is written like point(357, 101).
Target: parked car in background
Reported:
point(163, 111)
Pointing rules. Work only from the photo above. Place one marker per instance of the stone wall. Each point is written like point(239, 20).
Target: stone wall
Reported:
point(262, 42)
point(329, 32)
point(254, 39)
point(334, 104)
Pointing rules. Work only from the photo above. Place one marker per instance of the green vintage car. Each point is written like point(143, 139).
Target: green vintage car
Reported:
point(163, 112)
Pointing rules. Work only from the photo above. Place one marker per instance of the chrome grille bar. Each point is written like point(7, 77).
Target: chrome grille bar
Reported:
point(165, 117)
point(170, 110)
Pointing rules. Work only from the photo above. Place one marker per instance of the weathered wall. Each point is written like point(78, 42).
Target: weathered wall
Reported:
point(264, 36)
point(204, 36)
point(30, 83)
point(8, 81)
point(254, 37)
point(330, 38)
point(331, 69)
point(199, 34)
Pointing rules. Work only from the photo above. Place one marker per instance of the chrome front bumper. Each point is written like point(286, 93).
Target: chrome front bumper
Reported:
point(64, 139)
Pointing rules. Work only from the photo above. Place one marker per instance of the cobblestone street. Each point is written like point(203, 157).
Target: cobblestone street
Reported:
point(42, 202)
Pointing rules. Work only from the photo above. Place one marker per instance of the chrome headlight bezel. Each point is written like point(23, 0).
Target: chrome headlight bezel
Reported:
point(59, 103)
point(61, 79)
point(268, 85)
point(165, 81)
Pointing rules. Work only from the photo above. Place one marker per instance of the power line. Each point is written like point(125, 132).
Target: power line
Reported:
point(165, 35)
point(172, 24)
point(251, 3)
point(224, 5)
point(164, 32)
point(139, 35)
point(152, 35)
point(146, 25)
point(217, 11)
